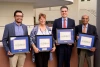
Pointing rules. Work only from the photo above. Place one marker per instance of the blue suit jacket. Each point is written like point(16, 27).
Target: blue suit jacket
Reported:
point(10, 31)
point(58, 25)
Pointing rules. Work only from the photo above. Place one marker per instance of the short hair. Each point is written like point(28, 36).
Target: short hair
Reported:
point(85, 15)
point(17, 11)
point(63, 7)
point(42, 15)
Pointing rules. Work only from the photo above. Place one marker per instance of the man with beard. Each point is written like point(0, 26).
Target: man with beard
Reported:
point(15, 28)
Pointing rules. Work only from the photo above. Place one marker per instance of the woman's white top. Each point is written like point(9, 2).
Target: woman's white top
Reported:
point(46, 32)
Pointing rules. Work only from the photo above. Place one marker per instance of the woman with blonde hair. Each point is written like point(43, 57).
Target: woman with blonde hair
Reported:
point(41, 58)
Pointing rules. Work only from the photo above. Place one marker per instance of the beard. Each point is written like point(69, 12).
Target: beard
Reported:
point(19, 21)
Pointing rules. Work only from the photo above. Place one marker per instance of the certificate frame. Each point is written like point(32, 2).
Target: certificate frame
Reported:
point(65, 41)
point(81, 46)
point(45, 49)
point(12, 40)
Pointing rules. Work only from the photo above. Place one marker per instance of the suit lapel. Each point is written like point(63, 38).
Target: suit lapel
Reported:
point(80, 28)
point(68, 23)
point(13, 29)
point(88, 29)
point(60, 23)
point(23, 29)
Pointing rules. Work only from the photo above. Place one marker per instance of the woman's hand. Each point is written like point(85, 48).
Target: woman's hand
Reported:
point(36, 50)
point(53, 49)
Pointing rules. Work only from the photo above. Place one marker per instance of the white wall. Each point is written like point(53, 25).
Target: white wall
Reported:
point(88, 8)
point(54, 12)
point(92, 18)
point(7, 11)
point(92, 4)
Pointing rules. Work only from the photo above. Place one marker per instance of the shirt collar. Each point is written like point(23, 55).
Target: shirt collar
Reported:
point(64, 18)
point(17, 24)
point(86, 25)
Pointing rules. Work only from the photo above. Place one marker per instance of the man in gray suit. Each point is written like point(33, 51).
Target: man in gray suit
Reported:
point(15, 29)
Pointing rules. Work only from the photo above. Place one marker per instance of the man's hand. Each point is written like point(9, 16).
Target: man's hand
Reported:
point(9, 53)
point(56, 42)
point(93, 49)
point(70, 44)
point(77, 37)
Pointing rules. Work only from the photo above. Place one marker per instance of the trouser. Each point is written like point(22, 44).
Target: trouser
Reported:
point(63, 53)
point(41, 59)
point(17, 60)
point(83, 54)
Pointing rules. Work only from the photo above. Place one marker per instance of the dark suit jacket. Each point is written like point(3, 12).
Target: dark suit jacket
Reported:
point(91, 30)
point(10, 31)
point(58, 25)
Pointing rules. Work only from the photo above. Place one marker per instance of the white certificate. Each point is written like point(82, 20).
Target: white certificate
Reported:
point(44, 48)
point(44, 43)
point(65, 35)
point(86, 41)
point(19, 44)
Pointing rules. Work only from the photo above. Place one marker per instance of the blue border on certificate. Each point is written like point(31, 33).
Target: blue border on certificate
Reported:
point(44, 37)
point(65, 41)
point(82, 46)
point(19, 38)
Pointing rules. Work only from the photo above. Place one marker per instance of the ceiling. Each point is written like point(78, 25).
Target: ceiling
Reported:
point(43, 3)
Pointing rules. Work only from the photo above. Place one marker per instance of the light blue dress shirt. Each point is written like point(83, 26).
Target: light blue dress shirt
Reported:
point(63, 22)
point(18, 30)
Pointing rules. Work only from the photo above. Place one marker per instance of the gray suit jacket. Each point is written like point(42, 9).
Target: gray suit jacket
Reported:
point(10, 31)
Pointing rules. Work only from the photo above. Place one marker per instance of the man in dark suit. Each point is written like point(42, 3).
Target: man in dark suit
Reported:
point(87, 28)
point(63, 51)
point(15, 29)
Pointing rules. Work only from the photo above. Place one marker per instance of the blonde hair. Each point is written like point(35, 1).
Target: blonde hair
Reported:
point(42, 15)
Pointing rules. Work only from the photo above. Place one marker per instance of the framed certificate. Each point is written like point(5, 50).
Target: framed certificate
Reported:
point(65, 36)
point(85, 41)
point(19, 44)
point(44, 42)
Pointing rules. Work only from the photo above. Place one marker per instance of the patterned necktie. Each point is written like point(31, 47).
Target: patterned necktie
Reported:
point(64, 25)
point(84, 29)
